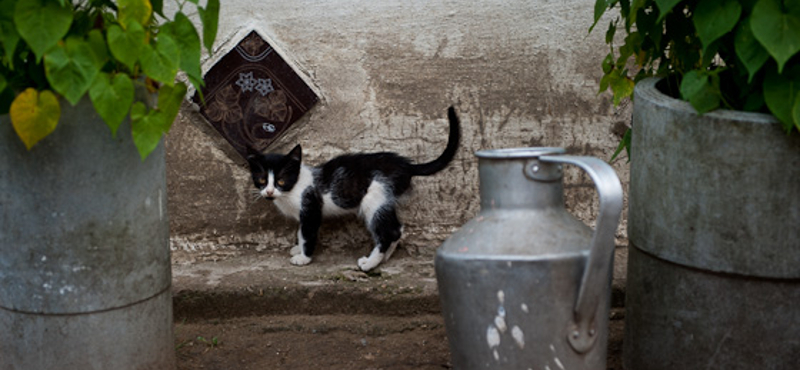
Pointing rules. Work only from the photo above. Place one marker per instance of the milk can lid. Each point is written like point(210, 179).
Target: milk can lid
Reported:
point(511, 153)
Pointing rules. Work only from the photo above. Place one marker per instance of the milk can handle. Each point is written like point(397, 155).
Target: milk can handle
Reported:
point(583, 329)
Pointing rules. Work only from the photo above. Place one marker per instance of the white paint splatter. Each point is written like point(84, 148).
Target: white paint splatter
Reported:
point(79, 268)
point(501, 296)
point(524, 308)
point(492, 337)
point(553, 348)
point(500, 323)
point(496, 356)
point(519, 336)
point(558, 363)
point(501, 311)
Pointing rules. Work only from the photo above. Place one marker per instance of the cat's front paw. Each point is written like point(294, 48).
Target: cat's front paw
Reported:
point(300, 260)
point(369, 263)
point(297, 249)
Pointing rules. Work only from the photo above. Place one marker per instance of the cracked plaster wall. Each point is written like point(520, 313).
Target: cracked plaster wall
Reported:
point(520, 73)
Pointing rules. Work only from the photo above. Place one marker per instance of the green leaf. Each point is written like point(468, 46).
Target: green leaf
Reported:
point(701, 91)
point(796, 112)
point(664, 7)
point(749, 50)
point(608, 63)
point(158, 7)
point(754, 101)
point(99, 47)
point(622, 86)
point(632, 47)
point(183, 32)
point(612, 30)
point(777, 29)
point(126, 44)
point(129, 11)
point(781, 92)
point(605, 81)
point(600, 7)
point(146, 128)
point(42, 23)
point(160, 62)
point(714, 18)
point(112, 98)
point(71, 68)
point(169, 102)
point(693, 82)
point(3, 83)
point(34, 115)
point(625, 143)
point(210, 19)
point(9, 37)
point(636, 6)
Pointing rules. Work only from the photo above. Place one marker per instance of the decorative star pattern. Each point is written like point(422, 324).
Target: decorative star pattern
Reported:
point(246, 81)
point(264, 86)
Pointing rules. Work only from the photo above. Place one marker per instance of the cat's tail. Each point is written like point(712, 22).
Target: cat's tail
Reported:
point(438, 164)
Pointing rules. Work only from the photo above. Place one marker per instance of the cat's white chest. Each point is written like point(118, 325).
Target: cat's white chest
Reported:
point(290, 203)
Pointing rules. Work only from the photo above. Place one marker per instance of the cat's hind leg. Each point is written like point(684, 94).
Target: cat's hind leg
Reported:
point(386, 230)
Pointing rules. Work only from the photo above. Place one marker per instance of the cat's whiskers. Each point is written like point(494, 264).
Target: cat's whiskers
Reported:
point(255, 195)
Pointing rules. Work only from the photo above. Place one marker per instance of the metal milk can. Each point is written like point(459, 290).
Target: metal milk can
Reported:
point(525, 285)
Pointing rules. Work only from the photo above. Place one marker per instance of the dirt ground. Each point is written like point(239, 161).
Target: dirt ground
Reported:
point(326, 342)
point(251, 311)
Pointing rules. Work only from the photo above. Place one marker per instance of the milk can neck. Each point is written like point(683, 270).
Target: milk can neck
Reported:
point(514, 183)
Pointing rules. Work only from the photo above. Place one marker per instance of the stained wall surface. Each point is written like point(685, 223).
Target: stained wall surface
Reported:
point(520, 73)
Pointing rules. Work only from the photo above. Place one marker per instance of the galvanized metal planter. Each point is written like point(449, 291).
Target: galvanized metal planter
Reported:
point(84, 250)
point(525, 285)
point(714, 265)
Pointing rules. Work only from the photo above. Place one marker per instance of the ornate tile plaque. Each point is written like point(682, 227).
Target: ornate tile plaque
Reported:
point(252, 96)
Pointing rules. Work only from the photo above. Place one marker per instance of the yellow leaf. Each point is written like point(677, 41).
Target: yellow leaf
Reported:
point(34, 115)
point(134, 10)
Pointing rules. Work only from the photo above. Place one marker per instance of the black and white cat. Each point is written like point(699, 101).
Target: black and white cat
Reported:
point(366, 184)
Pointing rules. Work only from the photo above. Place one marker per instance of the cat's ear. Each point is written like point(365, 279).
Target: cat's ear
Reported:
point(296, 154)
point(251, 153)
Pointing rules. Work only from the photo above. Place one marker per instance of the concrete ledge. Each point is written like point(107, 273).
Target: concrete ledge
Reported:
point(255, 284)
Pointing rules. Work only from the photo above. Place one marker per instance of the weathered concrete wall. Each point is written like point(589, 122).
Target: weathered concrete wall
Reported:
point(520, 73)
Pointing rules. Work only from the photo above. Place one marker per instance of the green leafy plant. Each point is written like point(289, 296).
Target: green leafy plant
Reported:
point(103, 49)
point(731, 54)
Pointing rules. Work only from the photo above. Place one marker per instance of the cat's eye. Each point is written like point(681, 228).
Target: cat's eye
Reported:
point(281, 183)
point(262, 181)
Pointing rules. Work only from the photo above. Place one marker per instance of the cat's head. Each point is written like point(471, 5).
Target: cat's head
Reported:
point(274, 174)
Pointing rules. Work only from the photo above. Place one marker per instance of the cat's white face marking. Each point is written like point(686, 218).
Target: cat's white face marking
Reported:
point(270, 191)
